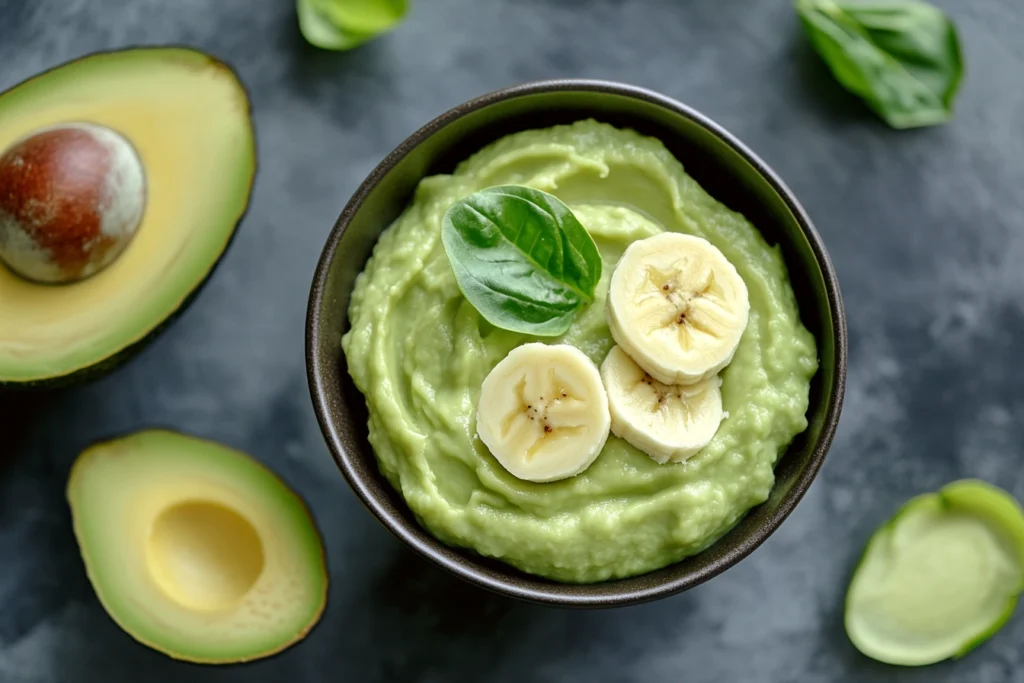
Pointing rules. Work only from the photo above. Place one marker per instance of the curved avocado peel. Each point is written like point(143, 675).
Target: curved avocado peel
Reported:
point(101, 366)
point(941, 577)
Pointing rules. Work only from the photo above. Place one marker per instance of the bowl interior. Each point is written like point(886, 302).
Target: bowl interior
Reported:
point(723, 166)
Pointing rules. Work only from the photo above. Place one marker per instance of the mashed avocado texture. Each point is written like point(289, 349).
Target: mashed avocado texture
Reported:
point(419, 353)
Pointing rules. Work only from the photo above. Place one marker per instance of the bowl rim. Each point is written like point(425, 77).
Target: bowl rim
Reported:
point(568, 594)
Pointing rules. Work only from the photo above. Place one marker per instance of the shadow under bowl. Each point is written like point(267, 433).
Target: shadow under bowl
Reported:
point(722, 165)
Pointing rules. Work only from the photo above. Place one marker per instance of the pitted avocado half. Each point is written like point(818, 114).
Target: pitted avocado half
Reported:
point(196, 549)
point(188, 118)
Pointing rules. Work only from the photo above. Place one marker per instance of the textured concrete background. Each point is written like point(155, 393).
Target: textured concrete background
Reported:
point(926, 229)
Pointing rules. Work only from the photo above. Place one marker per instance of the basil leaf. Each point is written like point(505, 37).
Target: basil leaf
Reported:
point(345, 24)
point(521, 258)
point(902, 57)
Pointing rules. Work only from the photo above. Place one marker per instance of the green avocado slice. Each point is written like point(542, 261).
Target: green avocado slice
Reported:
point(196, 549)
point(940, 578)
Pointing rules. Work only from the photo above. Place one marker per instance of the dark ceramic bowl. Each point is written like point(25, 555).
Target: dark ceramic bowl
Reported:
point(726, 169)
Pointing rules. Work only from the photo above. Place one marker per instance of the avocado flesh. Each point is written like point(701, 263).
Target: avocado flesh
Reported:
point(188, 117)
point(940, 578)
point(196, 549)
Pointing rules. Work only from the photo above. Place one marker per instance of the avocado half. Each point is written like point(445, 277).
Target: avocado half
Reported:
point(196, 549)
point(189, 119)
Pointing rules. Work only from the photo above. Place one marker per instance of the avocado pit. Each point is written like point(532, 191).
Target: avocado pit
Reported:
point(71, 199)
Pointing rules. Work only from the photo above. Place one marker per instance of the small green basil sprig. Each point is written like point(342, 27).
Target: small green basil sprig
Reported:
point(521, 258)
point(902, 57)
point(346, 24)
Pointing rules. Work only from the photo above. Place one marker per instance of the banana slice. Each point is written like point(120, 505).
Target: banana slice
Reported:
point(677, 307)
point(543, 412)
point(668, 423)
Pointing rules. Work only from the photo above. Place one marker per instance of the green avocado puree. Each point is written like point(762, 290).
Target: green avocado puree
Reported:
point(419, 352)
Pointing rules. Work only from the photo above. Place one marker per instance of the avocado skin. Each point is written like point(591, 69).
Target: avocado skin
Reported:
point(107, 365)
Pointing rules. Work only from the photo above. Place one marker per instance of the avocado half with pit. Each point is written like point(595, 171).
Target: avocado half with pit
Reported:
point(196, 549)
point(122, 178)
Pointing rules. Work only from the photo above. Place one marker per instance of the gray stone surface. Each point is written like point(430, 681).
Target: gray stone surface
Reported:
point(925, 228)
